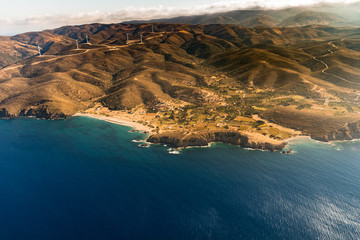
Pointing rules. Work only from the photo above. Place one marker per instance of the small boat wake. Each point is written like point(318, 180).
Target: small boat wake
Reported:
point(138, 141)
point(142, 142)
point(144, 145)
point(173, 151)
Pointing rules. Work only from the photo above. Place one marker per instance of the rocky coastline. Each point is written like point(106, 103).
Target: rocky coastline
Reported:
point(180, 140)
point(41, 113)
point(350, 131)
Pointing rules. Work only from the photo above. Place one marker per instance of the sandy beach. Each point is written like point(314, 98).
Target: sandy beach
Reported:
point(135, 125)
point(297, 138)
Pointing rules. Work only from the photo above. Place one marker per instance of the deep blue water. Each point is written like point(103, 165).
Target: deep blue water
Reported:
point(84, 179)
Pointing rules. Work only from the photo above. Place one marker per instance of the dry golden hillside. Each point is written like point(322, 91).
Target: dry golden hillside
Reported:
point(227, 69)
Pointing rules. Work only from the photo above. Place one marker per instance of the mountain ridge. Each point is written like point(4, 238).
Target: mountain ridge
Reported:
point(319, 14)
point(190, 78)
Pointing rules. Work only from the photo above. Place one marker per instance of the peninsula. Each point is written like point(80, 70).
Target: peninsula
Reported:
point(189, 85)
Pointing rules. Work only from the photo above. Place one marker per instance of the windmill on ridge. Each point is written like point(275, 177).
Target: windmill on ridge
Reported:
point(77, 44)
point(39, 49)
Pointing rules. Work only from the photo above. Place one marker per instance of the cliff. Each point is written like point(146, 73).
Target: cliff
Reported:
point(204, 138)
point(350, 131)
point(42, 112)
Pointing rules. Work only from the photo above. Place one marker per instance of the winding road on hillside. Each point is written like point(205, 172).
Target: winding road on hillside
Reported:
point(133, 42)
point(327, 66)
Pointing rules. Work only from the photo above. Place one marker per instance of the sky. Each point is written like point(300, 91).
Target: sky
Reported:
point(18, 16)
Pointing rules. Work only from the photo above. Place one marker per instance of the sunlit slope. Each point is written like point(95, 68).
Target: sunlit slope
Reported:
point(310, 67)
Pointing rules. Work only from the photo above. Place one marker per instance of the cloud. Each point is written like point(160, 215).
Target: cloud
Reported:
point(12, 26)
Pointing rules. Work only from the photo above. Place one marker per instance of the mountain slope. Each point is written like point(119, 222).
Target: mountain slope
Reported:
point(318, 14)
point(313, 18)
point(187, 75)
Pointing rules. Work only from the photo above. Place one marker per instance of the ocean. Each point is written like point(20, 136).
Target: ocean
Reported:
point(84, 178)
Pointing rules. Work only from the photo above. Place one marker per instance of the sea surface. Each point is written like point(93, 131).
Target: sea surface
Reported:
point(85, 179)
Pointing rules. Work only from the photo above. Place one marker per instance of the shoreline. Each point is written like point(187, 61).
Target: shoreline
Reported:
point(114, 120)
point(292, 139)
point(147, 130)
point(253, 140)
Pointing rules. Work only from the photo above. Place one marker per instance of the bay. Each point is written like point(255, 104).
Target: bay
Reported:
point(83, 178)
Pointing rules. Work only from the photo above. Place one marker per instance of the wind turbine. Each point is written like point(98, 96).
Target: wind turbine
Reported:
point(77, 44)
point(141, 38)
point(39, 48)
point(87, 39)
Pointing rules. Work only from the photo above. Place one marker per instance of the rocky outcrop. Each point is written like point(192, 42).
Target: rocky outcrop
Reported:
point(350, 131)
point(204, 138)
point(354, 129)
point(5, 114)
point(41, 112)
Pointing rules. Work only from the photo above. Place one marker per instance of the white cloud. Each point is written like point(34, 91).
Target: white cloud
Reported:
point(11, 26)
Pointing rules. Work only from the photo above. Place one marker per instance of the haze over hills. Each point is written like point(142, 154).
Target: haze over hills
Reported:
point(320, 14)
point(191, 78)
point(242, 13)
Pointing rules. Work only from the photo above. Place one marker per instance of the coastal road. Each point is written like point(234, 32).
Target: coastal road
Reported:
point(43, 61)
point(326, 66)
point(55, 57)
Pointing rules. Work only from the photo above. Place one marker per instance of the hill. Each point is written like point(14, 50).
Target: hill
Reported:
point(190, 78)
point(313, 18)
point(12, 51)
point(319, 14)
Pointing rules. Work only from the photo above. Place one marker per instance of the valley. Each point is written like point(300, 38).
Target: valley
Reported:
point(192, 84)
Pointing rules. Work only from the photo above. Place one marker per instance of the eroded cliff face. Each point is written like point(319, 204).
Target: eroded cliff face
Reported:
point(41, 112)
point(349, 132)
point(5, 114)
point(203, 139)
